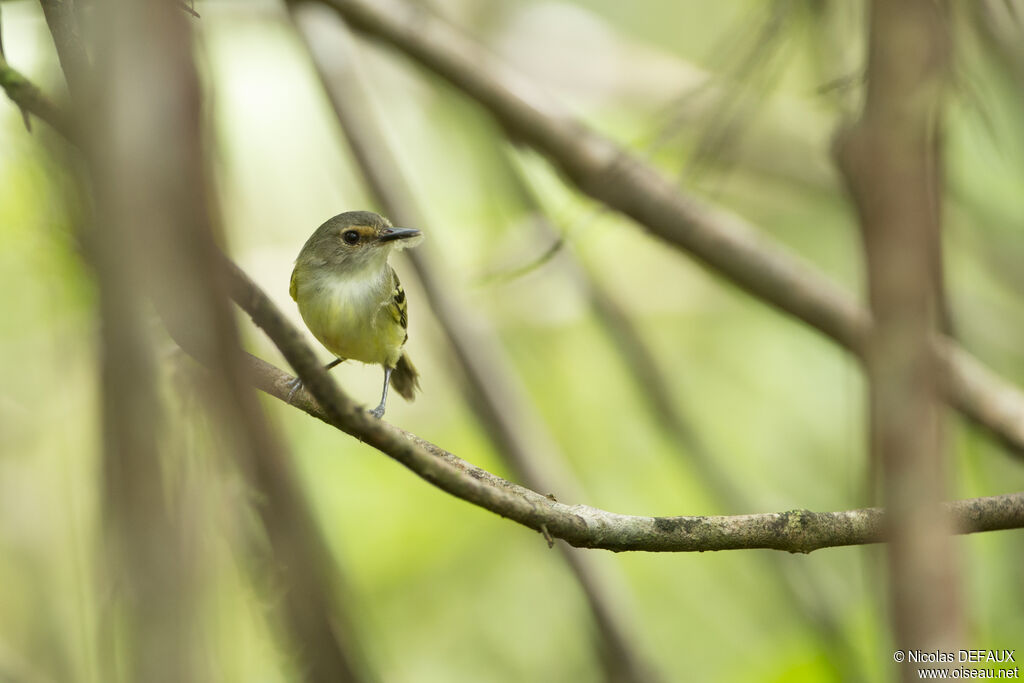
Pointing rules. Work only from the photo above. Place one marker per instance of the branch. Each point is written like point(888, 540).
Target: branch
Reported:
point(67, 39)
point(798, 531)
point(30, 99)
point(188, 8)
point(723, 241)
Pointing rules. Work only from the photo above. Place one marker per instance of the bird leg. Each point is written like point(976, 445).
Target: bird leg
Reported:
point(378, 412)
point(296, 383)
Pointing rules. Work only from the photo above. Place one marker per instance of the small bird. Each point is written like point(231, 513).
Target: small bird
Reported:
point(350, 297)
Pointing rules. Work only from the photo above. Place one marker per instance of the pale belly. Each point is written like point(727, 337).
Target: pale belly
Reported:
point(352, 321)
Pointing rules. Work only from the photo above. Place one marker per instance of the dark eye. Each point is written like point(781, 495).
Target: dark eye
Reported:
point(350, 236)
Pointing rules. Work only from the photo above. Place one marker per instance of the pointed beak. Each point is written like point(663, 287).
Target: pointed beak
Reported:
point(389, 234)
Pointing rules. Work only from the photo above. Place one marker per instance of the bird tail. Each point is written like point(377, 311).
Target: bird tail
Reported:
point(404, 378)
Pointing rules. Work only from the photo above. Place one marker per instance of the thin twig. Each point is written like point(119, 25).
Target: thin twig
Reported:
point(187, 8)
point(31, 100)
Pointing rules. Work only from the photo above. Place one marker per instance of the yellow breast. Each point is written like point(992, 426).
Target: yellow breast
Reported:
point(350, 316)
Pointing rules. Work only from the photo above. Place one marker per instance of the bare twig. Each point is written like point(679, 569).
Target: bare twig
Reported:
point(31, 100)
point(722, 241)
point(491, 387)
point(187, 8)
point(891, 164)
point(798, 531)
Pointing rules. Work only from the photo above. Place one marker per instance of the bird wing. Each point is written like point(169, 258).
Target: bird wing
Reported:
point(398, 305)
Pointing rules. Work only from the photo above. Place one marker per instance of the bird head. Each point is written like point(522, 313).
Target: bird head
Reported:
point(355, 241)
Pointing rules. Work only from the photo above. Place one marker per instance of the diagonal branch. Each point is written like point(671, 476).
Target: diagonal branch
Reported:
point(724, 242)
point(798, 531)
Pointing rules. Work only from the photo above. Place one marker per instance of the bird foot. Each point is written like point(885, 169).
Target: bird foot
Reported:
point(293, 386)
point(377, 412)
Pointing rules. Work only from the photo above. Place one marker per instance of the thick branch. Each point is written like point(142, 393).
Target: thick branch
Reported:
point(722, 241)
point(580, 525)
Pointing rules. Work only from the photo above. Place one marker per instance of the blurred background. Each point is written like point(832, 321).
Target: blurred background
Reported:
point(752, 412)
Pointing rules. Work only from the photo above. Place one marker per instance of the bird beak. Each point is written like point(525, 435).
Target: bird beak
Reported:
point(388, 234)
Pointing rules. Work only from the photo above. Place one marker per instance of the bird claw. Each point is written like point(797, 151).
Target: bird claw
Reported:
point(377, 412)
point(293, 386)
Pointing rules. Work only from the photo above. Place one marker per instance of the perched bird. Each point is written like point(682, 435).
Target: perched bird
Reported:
point(350, 297)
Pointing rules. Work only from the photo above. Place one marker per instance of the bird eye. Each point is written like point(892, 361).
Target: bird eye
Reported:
point(350, 236)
